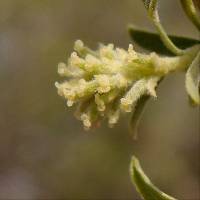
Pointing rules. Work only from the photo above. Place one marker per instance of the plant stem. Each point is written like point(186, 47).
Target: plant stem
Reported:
point(178, 63)
point(164, 37)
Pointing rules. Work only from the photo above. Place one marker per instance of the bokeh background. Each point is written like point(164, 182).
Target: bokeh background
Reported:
point(44, 151)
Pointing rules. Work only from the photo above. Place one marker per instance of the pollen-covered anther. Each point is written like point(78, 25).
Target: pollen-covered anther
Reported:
point(92, 63)
point(100, 103)
point(78, 46)
point(107, 51)
point(113, 117)
point(57, 85)
point(70, 103)
point(62, 69)
point(121, 54)
point(103, 83)
point(75, 60)
point(69, 94)
point(81, 88)
point(60, 88)
point(120, 81)
point(132, 55)
point(126, 104)
point(86, 120)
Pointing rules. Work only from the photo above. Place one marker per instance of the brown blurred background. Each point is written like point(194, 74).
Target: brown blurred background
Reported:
point(44, 152)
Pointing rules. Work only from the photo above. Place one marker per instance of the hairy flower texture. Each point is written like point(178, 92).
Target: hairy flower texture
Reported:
point(105, 82)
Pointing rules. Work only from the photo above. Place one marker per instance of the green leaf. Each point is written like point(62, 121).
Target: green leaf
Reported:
point(152, 41)
point(143, 185)
point(141, 103)
point(190, 10)
point(137, 114)
point(193, 79)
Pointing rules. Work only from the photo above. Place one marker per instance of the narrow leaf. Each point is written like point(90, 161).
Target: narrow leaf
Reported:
point(143, 185)
point(193, 79)
point(190, 10)
point(152, 41)
point(139, 108)
point(137, 114)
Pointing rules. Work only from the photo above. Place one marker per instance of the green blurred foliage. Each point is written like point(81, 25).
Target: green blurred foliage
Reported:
point(44, 152)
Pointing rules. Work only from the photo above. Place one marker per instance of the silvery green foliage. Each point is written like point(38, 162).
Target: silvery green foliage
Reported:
point(190, 10)
point(143, 185)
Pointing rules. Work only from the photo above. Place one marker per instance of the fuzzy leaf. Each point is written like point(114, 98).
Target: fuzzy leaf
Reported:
point(143, 185)
point(139, 107)
point(152, 42)
point(137, 114)
point(137, 91)
point(193, 79)
point(191, 12)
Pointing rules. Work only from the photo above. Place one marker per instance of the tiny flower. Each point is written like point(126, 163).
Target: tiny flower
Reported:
point(86, 120)
point(113, 117)
point(103, 81)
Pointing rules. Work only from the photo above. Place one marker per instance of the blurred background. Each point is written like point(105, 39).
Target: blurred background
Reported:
point(44, 151)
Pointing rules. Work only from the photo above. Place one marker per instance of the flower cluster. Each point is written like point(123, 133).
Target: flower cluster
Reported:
point(105, 82)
